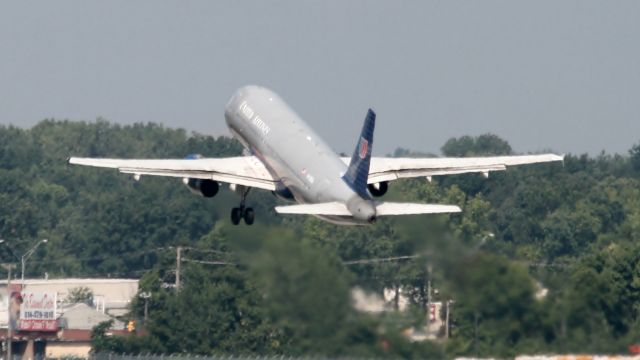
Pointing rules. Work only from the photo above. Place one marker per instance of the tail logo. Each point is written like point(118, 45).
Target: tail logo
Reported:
point(364, 148)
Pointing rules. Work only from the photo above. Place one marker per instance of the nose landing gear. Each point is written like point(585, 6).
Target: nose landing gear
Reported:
point(243, 212)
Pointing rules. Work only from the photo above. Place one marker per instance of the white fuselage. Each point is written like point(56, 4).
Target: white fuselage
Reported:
point(291, 151)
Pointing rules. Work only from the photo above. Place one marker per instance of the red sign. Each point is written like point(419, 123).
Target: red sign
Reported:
point(38, 325)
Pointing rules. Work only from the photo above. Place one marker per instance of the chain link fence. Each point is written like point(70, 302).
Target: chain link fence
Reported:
point(106, 356)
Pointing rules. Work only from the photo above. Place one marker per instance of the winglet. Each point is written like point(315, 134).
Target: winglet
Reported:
point(358, 171)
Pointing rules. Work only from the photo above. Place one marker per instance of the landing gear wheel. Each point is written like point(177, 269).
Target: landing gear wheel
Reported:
point(236, 215)
point(249, 216)
point(242, 212)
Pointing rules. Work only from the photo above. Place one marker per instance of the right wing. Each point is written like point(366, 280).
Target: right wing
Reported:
point(240, 170)
point(388, 169)
point(382, 209)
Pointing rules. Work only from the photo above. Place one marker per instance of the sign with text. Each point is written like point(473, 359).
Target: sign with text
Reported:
point(38, 312)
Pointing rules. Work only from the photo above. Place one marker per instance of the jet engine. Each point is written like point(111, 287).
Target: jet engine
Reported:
point(283, 193)
point(378, 189)
point(205, 187)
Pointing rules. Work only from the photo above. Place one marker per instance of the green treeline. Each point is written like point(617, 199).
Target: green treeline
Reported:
point(543, 259)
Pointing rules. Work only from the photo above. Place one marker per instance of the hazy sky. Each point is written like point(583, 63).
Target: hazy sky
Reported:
point(561, 75)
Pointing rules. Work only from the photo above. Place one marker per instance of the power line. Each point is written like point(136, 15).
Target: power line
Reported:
point(378, 260)
point(541, 264)
point(209, 262)
point(102, 257)
point(206, 250)
point(129, 254)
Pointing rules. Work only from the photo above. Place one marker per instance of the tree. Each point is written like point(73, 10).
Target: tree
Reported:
point(487, 144)
point(80, 294)
point(306, 290)
point(635, 157)
point(285, 287)
point(495, 311)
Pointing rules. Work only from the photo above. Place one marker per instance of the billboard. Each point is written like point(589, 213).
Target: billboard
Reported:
point(38, 312)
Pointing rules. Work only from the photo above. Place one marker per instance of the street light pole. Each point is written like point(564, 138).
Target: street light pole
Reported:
point(26, 256)
point(145, 296)
point(8, 267)
point(178, 266)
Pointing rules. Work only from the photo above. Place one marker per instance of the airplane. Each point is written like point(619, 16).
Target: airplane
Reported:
point(285, 156)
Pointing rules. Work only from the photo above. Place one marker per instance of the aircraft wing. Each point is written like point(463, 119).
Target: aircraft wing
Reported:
point(388, 169)
point(240, 170)
point(382, 209)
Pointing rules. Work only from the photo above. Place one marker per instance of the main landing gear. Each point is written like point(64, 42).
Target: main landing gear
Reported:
point(243, 212)
point(239, 213)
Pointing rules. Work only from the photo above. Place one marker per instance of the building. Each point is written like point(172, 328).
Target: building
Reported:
point(70, 335)
point(436, 316)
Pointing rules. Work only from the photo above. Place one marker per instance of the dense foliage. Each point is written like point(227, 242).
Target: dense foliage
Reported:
point(283, 285)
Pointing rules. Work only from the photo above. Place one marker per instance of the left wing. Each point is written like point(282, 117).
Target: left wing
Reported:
point(388, 169)
point(240, 170)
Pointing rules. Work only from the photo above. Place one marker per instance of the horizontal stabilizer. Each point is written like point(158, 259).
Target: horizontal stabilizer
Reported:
point(391, 208)
point(328, 208)
point(382, 209)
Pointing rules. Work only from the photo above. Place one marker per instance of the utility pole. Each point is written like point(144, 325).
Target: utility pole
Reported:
point(447, 333)
point(429, 286)
point(8, 267)
point(178, 261)
point(429, 300)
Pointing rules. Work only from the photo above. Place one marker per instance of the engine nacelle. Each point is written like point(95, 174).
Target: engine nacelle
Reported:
point(283, 193)
point(205, 187)
point(378, 189)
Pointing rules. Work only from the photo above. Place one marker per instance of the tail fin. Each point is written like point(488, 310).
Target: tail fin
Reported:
point(358, 171)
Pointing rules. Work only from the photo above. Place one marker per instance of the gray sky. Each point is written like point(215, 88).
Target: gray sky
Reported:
point(561, 75)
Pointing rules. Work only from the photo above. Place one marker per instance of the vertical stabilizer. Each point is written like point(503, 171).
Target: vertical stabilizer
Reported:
point(358, 171)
